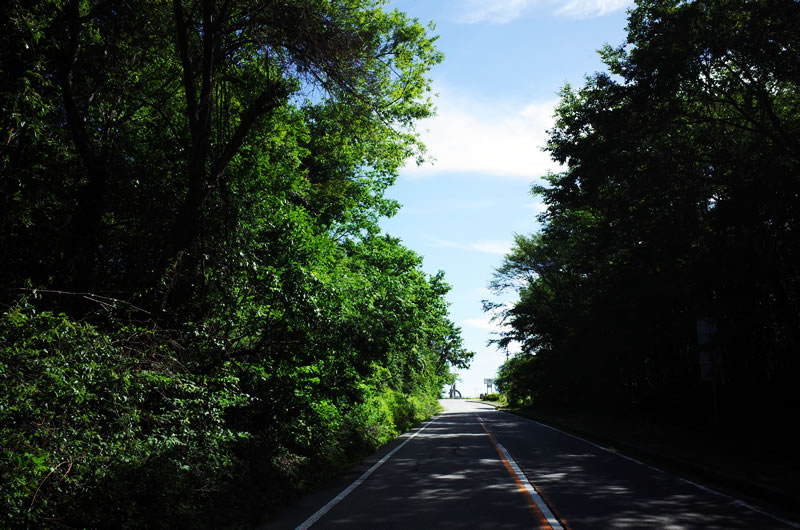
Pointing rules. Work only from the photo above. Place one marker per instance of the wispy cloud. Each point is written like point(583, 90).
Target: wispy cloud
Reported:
point(484, 323)
point(537, 206)
point(592, 8)
point(470, 135)
point(505, 11)
point(453, 207)
point(500, 248)
point(494, 11)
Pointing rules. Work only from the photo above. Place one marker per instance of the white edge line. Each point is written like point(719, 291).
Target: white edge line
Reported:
point(606, 449)
point(740, 502)
point(552, 520)
point(543, 507)
point(700, 486)
point(336, 500)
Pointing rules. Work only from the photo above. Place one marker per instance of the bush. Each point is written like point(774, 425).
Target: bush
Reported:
point(101, 430)
point(67, 413)
point(109, 429)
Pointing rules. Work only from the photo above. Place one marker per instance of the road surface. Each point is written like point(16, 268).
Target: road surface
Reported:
point(475, 467)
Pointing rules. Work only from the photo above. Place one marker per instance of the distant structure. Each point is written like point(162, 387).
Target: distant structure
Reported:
point(454, 394)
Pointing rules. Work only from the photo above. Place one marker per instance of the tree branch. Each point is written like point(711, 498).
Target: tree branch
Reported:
point(182, 41)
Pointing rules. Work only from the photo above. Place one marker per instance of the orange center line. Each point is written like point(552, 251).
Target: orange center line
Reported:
point(543, 524)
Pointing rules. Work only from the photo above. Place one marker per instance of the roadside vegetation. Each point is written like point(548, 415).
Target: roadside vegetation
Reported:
point(200, 316)
point(664, 280)
point(663, 288)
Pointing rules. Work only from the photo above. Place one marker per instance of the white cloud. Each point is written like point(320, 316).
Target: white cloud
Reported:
point(484, 324)
point(592, 8)
point(486, 137)
point(505, 11)
point(447, 244)
point(454, 206)
point(494, 11)
point(500, 248)
point(484, 292)
point(537, 206)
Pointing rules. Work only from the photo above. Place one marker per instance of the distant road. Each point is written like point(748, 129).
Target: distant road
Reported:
point(475, 467)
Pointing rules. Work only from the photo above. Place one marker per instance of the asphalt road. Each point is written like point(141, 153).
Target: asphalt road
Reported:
point(475, 467)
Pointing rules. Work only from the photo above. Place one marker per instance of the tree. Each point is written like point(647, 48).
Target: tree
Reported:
point(677, 204)
point(191, 190)
point(202, 80)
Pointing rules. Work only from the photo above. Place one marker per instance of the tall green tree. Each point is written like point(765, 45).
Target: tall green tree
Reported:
point(189, 201)
point(202, 80)
point(677, 204)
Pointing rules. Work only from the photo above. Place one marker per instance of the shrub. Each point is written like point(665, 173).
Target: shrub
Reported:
point(101, 430)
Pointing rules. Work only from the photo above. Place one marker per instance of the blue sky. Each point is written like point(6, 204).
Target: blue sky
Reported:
point(505, 61)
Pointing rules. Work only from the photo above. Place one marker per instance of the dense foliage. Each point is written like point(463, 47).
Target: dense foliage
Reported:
point(678, 210)
point(200, 314)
